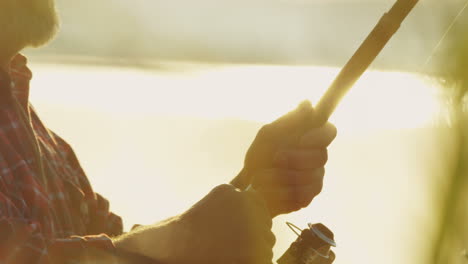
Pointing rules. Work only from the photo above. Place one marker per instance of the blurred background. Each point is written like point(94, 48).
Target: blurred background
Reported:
point(324, 32)
point(162, 98)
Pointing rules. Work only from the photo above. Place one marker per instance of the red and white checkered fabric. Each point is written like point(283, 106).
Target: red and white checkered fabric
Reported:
point(52, 219)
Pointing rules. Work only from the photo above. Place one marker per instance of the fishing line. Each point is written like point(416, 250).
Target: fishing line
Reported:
point(444, 37)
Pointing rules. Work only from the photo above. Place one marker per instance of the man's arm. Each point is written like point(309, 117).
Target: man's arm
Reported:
point(284, 164)
point(226, 226)
point(117, 256)
point(23, 241)
point(158, 239)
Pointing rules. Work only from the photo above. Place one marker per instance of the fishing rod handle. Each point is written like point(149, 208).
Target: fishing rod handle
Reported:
point(352, 71)
point(362, 58)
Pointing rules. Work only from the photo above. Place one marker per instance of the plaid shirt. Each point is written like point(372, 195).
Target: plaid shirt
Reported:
point(52, 219)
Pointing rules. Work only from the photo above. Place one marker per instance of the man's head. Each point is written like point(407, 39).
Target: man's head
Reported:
point(26, 23)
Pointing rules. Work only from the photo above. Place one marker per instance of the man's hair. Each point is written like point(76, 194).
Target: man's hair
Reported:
point(27, 23)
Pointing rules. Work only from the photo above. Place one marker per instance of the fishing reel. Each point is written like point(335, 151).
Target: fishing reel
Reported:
point(313, 246)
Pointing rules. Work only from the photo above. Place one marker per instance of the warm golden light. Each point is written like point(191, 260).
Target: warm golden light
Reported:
point(381, 100)
point(173, 135)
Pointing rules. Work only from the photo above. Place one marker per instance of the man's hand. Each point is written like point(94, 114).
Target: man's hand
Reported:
point(227, 226)
point(329, 260)
point(285, 163)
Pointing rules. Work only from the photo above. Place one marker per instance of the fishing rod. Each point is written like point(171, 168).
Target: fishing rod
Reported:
point(313, 244)
point(362, 59)
point(387, 26)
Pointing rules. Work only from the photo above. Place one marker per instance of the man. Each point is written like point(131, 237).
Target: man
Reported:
point(49, 212)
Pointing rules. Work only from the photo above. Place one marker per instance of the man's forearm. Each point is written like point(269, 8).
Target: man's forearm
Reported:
point(117, 256)
point(155, 242)
point(124, 257)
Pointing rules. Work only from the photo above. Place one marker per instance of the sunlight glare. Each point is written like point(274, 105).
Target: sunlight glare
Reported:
point(380, 100)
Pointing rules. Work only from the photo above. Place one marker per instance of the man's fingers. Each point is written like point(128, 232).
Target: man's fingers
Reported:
point(319, 137)
point(293, 119)
point(332, 256)
point(301, 195)
point(257, 204)
point(301, 159)
point(278, 178)
point(268, 247)
point(257, 250)
point(329, 260)
point(291, 199)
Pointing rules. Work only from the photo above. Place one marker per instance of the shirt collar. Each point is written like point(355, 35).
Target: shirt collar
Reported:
point(16, 83)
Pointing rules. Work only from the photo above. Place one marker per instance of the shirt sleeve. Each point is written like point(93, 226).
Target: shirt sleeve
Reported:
point(22, 241)
point(102, 220)
point(26, 239)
